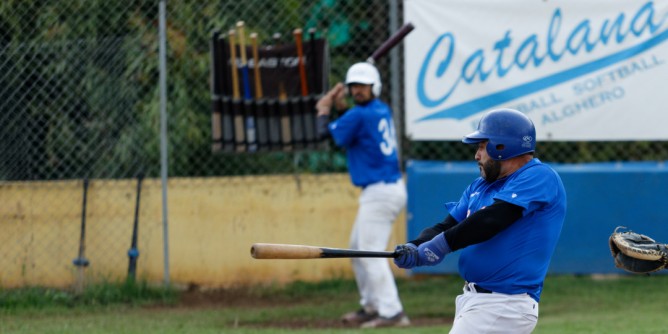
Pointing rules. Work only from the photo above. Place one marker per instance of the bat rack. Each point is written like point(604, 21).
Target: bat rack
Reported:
point(266, 102)
point(268, 124)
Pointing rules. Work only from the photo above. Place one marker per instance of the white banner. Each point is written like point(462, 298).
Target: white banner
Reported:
point(581, 69)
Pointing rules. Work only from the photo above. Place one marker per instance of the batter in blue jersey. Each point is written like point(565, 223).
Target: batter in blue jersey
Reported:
point(366, 132)
point(506, 224)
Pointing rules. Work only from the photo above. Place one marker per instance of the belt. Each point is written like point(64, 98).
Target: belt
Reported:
point(477, 288)
point(383, 182)
point(480, 289)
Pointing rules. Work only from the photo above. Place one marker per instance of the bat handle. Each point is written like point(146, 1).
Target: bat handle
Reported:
point(245, 79)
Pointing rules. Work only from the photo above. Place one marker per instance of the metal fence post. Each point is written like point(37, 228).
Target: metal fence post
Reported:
point(163, 136)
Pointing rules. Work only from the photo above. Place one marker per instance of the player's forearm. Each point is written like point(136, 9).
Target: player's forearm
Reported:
point(323, 126)
point(324, 106)
point(334, 98)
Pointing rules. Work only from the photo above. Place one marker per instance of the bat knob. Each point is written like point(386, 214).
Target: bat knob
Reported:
point(371, 61)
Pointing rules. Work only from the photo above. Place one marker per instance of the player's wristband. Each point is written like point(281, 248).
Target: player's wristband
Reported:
point(433, 251)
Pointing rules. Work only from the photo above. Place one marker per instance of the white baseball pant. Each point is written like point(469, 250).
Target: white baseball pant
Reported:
point(491, 313)
point(379, 205)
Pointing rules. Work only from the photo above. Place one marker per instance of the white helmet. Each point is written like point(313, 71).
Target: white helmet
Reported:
point(367, 74)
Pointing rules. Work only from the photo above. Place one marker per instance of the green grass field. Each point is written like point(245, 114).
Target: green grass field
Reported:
point(570, 304)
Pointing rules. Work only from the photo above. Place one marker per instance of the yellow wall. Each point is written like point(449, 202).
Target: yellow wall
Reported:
point(212, 224)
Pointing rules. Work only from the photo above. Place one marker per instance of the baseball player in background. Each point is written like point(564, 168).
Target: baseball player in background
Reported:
point(506, 225)
point(366, 132)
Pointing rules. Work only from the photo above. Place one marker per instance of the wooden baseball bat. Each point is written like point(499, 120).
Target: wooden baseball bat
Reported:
point(283, 113)
point(245, 80)
point(239, 133)
point(282, 94)
point(256, 66)
point(233, 64)
point(286, 251)
point(300, 60)
point(391, 42)
point(227, 115)
point(248, 107)
point(261, 108)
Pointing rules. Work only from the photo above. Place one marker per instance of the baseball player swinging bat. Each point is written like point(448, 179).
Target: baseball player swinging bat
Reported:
point(286, 251)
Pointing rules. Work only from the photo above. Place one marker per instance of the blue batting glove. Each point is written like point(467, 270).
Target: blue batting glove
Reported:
point(433, 251)
point(408, 256)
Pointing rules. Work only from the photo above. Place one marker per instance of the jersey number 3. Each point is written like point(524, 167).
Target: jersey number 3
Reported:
point(389, 143)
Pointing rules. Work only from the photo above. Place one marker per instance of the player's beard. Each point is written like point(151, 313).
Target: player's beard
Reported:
point(361, 98)
point(490, 170)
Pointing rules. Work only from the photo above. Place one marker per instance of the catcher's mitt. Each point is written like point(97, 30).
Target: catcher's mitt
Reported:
point(637, 253)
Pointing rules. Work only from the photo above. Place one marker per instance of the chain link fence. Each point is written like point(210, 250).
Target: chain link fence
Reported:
point(79, 99)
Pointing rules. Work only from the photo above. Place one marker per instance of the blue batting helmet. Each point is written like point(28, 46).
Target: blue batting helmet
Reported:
point(510, 133)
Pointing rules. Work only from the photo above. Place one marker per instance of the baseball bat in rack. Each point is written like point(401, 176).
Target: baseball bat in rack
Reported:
point(245, 80)
point(216, 92)
point(282, 93)
point(256, 66)
point(225, 92)
point(233, 64)
point(287, 251)
point(239, 135)
point(298, 33)
point(261, 108)
point(391, 42)
point(285, 131)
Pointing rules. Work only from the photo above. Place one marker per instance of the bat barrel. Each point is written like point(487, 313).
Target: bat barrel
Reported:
point(391, 42)
point(281, 251)
point(286, 251)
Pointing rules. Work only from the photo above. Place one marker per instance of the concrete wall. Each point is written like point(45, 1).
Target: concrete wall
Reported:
point(212, 224)
point(214, 221)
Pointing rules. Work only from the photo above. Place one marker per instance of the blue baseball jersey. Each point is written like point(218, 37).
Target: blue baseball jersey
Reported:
point(367, 133)
point(515, 260)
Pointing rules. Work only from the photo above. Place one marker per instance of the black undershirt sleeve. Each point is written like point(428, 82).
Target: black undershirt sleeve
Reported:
point(430, 232)
point(322, 125)
point(483, 224)
point(478, 227)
